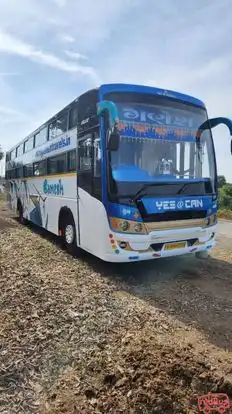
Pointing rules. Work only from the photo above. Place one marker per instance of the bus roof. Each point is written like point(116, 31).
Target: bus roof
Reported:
point(121, 87)
point(116, 87)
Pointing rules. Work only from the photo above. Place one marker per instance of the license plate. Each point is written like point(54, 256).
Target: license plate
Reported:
point(172, 246)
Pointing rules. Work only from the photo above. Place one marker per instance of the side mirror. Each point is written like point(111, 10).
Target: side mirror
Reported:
point(114, 140)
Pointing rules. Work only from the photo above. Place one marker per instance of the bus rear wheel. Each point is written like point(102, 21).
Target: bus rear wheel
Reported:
point(20, 213)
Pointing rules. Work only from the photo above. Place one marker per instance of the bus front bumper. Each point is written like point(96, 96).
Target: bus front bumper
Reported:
point(160, 244)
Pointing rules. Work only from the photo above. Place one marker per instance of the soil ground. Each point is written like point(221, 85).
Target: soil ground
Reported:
point(83, 336)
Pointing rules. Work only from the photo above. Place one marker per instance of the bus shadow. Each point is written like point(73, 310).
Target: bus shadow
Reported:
point(196, 292)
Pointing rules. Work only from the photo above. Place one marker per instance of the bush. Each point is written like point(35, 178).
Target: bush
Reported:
point(225, 197)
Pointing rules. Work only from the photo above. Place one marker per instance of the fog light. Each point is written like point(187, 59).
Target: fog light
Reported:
point(122, 245)
point(124, 225)
point(138, 228)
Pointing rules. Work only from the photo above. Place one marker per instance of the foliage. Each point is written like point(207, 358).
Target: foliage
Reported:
point(225, 197)
point(1, 153)
point(221, 180)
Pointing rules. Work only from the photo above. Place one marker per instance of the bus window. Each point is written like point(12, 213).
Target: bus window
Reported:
point(85, 152)
point(13, 154)
point(97, 158)
point(41, 137)
point(97, 168)
point(19, 150)
point(56, 164)
point(58, 126)
point(29, 144)
point(85, 163)
point(73, 117)
point(39, 168)
point(18, 172)
point(87, 111)
point(28, 170)
point(72, 160)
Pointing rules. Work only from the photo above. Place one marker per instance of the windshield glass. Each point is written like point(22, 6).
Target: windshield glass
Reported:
point(159, 144)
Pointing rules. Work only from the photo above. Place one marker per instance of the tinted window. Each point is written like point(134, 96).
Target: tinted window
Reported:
point(41, 137)
point(97, 157)
point(58, 126)
point(28, 170)
point(85, 154)
point(72, 163)
point(56, 164)
point(19, 150)
point(10, 174)
point(73, 117)
point(29, 144)
point(18, 172)
point(87, 111)
point(39, 168)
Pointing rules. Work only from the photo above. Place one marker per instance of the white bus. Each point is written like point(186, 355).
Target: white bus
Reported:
point(124, 172)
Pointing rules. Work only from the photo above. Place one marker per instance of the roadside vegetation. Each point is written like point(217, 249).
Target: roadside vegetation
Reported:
point(225, 198)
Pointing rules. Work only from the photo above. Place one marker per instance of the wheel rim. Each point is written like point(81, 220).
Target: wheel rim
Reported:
point(69, 234)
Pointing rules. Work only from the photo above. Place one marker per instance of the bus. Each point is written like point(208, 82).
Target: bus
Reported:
point(124, 172)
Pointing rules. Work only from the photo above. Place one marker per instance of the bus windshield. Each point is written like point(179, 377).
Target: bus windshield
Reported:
point(160, 144)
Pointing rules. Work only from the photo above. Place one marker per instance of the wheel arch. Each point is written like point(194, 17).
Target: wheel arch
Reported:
point(65, 212)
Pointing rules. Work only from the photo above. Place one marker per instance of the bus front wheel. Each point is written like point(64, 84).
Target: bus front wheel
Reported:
point(68, 232)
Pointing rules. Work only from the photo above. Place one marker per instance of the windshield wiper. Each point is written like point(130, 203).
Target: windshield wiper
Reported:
point(183, 187)
point(145, 186)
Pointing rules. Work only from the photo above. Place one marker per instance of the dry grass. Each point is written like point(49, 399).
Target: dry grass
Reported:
point(80, 336)
point(225, 214)
point(2, 197)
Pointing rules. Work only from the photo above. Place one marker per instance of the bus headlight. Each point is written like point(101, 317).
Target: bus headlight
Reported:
point(124, 225)
point(138, 227)
point(127, 226)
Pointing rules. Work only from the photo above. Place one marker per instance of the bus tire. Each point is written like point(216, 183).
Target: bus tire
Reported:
point(204, 254)
point(20, 212)
point(68, 233)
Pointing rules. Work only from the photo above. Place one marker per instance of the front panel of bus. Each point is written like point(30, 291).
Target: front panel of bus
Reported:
point(160, 185)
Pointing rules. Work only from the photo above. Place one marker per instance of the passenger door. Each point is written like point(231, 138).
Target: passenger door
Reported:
point(88, 171)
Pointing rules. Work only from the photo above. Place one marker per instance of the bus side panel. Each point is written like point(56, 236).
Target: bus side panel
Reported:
point(42, 199)
point(13, 190)
point(94, 225)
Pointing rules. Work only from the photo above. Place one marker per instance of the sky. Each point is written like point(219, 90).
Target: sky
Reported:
point(51, 51)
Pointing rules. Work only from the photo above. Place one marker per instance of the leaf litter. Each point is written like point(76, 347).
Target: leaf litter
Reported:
point(73, 340)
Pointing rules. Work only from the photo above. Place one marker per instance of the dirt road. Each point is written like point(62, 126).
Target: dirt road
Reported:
point(82, 336)
point(225, 228)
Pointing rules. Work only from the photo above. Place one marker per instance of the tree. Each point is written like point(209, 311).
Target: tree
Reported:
point(225, 196)
point(1, 153)
point(221, 180)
